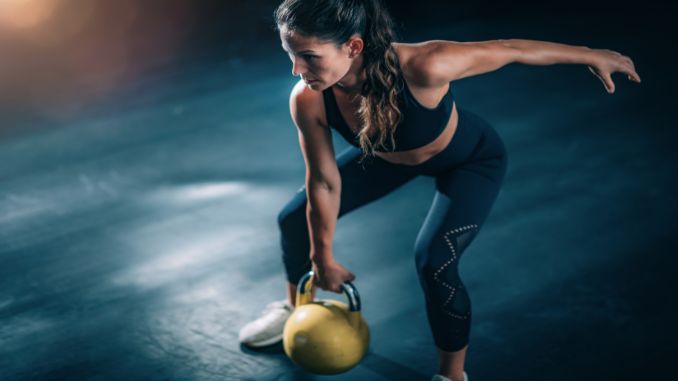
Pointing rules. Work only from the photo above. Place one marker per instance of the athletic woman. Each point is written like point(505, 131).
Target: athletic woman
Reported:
point(393, 103)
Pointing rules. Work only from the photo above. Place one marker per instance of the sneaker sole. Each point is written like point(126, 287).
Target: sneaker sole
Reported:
point(264, 343)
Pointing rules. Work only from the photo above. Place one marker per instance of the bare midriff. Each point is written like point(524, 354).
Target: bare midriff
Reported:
point(421, 154)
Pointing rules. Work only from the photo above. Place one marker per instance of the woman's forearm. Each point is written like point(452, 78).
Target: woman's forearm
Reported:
point(321, 211)
point(534, 52)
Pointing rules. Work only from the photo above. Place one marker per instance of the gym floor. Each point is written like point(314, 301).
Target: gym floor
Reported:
point(138, 229)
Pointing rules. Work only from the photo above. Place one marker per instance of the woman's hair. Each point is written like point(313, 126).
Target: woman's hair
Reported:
point(336, 21)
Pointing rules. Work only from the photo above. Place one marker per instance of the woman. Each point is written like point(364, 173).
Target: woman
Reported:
point(393, 102)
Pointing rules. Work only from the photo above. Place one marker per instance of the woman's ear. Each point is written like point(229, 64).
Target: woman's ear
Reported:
point(355, 46)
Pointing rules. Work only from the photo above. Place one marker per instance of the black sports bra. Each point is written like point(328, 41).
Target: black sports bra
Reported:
point(419, 126)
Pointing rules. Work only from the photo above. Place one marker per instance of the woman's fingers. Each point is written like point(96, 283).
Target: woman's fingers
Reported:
point(607, 82)
point(604, 78)
point(633, 76)
point(630, 69)
point(609, 85)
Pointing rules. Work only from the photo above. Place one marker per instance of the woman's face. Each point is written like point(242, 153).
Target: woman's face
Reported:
point(320, 64)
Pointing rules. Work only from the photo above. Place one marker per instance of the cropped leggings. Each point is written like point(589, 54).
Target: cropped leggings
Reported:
point(468, 175)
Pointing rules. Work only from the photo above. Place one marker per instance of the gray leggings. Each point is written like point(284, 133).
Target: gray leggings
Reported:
point(468, 175)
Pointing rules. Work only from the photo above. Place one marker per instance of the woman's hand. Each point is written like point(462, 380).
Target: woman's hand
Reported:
point(606, 62)
point(329, 275)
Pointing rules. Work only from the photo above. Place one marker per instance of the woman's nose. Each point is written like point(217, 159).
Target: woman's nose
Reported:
point(296, 67)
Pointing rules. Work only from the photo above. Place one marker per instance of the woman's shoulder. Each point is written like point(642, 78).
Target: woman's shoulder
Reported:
point(307, 103)
point(416, 63)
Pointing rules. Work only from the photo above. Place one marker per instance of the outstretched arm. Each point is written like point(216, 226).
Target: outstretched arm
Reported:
point(444, 61)
point(601, 62)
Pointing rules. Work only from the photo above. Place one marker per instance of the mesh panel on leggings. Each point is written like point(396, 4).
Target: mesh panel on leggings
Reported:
point(457, 303)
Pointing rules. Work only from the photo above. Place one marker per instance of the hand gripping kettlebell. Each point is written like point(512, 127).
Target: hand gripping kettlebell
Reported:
point(326, 336)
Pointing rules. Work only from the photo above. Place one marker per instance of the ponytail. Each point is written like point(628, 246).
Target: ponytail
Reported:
point(378, 111)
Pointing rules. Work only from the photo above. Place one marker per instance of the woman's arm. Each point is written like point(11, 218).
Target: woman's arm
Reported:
point(533, 52)
point(601, 62)
point(441, 61)
point(323, 181)
point(323, 187)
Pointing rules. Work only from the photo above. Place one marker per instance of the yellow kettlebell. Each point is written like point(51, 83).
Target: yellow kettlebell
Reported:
point(326, 336)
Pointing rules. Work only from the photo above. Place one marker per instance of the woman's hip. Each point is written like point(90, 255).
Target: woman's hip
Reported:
point(475, 140)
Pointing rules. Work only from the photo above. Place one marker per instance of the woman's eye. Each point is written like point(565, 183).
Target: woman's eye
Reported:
point(309, 57)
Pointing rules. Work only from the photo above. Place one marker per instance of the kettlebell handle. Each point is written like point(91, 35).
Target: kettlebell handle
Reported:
point(348, 288)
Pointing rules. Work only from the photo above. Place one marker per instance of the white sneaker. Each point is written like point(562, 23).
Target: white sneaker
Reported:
point(268, 328)
point(439, 377)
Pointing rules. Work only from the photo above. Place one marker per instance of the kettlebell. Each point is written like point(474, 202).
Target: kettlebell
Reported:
point(326, 336)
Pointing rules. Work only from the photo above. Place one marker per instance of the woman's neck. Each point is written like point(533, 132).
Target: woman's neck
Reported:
point(352, 82)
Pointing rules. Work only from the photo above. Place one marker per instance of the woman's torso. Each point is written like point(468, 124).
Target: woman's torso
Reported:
point(428, 109)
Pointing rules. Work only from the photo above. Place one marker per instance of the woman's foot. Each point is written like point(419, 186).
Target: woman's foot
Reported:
point(268, 328)
point(439, 377)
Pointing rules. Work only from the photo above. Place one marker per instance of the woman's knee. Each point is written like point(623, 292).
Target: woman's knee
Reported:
point(292, 216)
point(432, 262)
point(422, 253)
point(294, 239)
point(439, 277)
point(437, 259)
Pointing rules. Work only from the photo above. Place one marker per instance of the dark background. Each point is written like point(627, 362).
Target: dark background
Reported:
point(135, 44)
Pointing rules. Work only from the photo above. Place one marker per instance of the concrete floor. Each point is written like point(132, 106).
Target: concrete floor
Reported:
point(137, 238)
